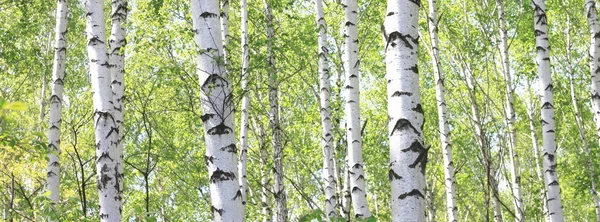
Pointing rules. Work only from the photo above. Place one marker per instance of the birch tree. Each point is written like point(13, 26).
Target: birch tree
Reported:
point(117, 69)
point(580, 127)
point(352, 108)
point(440, 92)
point(547, 110)
point(592, 17)
point(278, 188)
point(510, 115)
point(105, 126)
point(217, 105)
point(224, 15)
point(245, 106)
point(325, 111)
point(408, 156)
point(58, 75)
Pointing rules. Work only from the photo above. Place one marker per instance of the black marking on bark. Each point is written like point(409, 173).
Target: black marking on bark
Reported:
point(51, 174)
point(55, 164)
point(231, 148)
point(207, 15)
point(393, 175)
point(219, 130)
point(212, 81)
point(95, 40)
point(416, 147)
point(549, 87)
point(539, 48)
point(238, 194)
point(404, 38)
point(348, 23)
point(421, 159)
point(112, 129)
point(418, 109)
point(220, 175)
point(550, 157)
point(103, 216)
point(550, 131)
point(104, 155)
point(356, 189)
point(398, 93)
point(547, 105)
point(544, 122)
point(219, 211)
point(538, 33)
point(356, 166)
point(414, 192)
point(402, 125)
point(417, 2)
point(596, 96)
point(553, 183)
point(414, 68)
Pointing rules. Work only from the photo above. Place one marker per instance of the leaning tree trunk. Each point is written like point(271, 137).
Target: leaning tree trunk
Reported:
point(578, 119)
point(117, 69)
point(105, 125)
point(547, 110)
point(58, 75)
point(440, 92)
point(351, 65)
point(327, 140)
point(245, 106)
point(217, 105)
point(408, 156)
point(510, 116)
point(278, 188)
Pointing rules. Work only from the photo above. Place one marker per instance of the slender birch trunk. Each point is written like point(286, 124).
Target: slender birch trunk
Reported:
point(352, 109)
point(278, 188)
point(117, 60)
point(440, 92)
point(347, 198)
point(592, 16)
point(484, 146)
point(510, 116)
point(58, 75)
point(408, 156)
point(225, 30)
point(547, 110)
point(578, 119)
point(325, 111)
point(105, 125)
point(245, 106)
point(217, 105)
point(536, 153)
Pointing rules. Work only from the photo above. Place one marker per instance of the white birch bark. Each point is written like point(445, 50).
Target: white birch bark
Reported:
point(536, 154)
point(408, 157)
point(117, 60)
point(592, 16)
point(352, 109)
point(105, 125)
point(547, 110)
point(325, 111)
point(578, 119)
point(440, 92)
point(217, 105)
point(510, 116)
point(346, 197)
point(245, 106)
point(58, 75)
point(225, 30)
point(278, 188)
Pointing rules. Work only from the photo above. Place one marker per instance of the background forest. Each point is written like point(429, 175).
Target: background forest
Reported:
point(166, 178)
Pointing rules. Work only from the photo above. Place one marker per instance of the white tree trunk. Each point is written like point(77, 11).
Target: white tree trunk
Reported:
point(58, 75)
point(510, 116)
point(117, 61)
point(547, 110)
point(346, 197)
point(105, 125)
point(440, 92)
point(592, 18)
point(217, 105)
point(245, 106)
point(536, 154)
point(225, 30)
point(408, 157)
point(278, 188)
point(325, 111)
point(352, 109)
